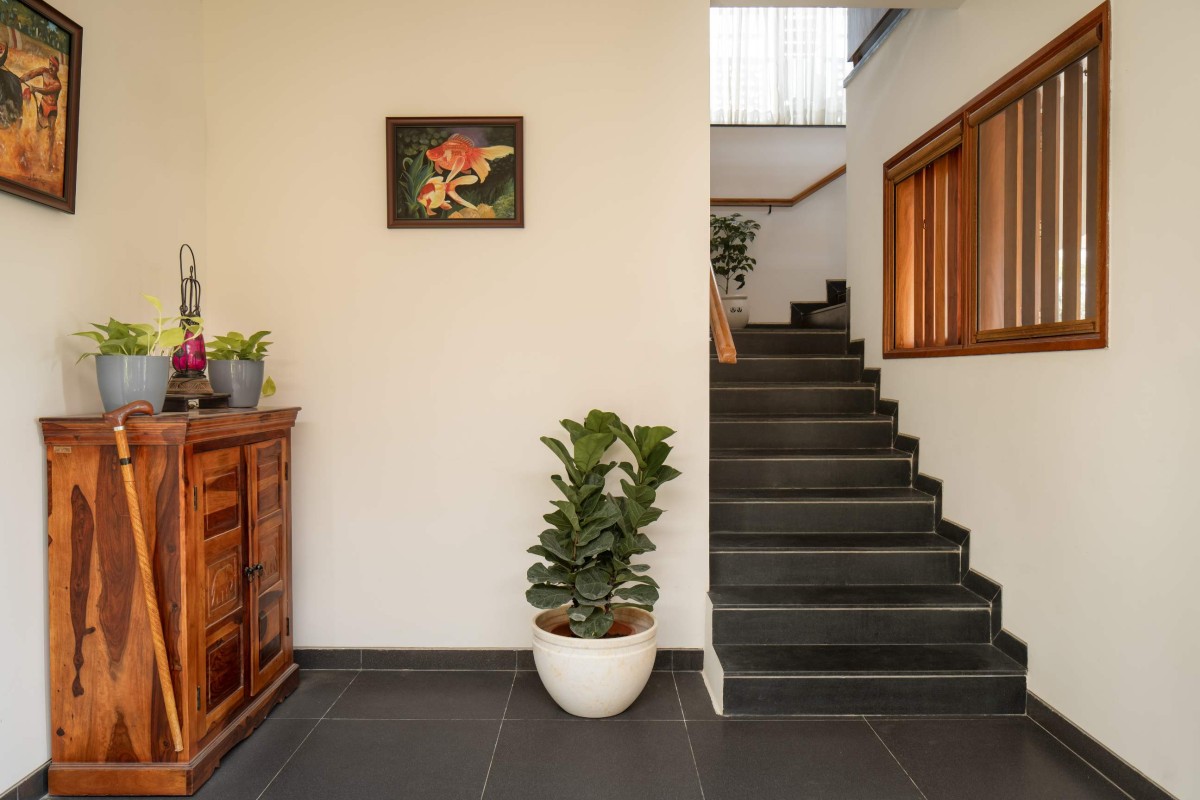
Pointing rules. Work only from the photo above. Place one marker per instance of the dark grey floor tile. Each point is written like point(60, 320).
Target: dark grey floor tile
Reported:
point(425, 695)
point(991, 759)
point(626, 760)
point(693, 693)
point(788, 760)
point(247, 769)
point(426, 658)
point(530, 700)
point(409, 759)
point(316, 694)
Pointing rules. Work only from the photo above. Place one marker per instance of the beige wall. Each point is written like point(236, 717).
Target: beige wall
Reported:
point(797, 248)
point(1076, 471)
point(428, 363)
point(140, 194)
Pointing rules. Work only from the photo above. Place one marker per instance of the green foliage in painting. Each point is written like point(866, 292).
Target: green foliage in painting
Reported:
point(588, 553)
point(729, 241)
point(425, 191)
point(162, 336)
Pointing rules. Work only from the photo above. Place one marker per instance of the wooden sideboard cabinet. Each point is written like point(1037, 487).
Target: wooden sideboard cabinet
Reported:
point(215, 496)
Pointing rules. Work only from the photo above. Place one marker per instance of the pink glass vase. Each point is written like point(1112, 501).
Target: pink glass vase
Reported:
point(190, 360)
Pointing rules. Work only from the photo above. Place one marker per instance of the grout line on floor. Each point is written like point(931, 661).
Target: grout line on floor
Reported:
point(893, 755)
point(499, 730)
point(687, 733)
point(292, 755)
point(1066, 747)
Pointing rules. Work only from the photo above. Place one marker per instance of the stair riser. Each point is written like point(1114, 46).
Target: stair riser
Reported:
point(779, 343)
point(851, 626)
point(949, 694)
point(793, 400)
point(787, 370)
point(811, 473)
point(801, 434)
point(833, 568)
point(804, 517)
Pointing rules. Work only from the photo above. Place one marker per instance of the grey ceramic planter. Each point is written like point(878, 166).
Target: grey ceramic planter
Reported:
point(123, 379)
point(241, 380)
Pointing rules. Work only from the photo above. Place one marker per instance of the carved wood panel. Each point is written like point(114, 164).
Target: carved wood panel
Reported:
point(271, 647)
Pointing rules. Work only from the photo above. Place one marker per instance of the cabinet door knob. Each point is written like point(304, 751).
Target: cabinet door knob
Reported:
point(249, 573)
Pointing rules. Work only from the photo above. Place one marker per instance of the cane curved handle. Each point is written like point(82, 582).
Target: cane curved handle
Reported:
point(117, 417)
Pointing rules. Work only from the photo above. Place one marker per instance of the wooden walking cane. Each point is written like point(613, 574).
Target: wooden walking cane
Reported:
point(117, 420)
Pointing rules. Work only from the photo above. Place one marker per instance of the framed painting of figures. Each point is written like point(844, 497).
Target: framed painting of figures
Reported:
point(39, 102)
point(455, 172)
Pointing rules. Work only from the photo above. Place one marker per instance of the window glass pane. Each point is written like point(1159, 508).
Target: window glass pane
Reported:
point(1038, 175)
point(777, 66)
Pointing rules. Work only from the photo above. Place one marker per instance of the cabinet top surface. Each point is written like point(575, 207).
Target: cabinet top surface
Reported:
point(169, 427)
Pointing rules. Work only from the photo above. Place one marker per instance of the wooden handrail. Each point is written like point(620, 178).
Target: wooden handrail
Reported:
point(782, 202)
point(726, 352)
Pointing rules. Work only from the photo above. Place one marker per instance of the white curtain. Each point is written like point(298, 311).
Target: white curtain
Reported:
point(778, 66)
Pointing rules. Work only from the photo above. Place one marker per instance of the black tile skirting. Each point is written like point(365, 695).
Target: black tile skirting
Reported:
point(1122, 774)
point(32, 787)
point(678, 659)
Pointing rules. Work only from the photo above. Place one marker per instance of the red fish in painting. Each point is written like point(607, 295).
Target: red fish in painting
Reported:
point(433, 194)
point(459, 154)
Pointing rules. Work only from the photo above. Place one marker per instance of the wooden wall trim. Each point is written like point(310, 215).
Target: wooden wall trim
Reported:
point(782, 202)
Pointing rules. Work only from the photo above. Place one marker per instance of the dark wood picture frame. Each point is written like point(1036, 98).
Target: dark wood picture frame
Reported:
point(961, 130)
point(392, 127)
point(69, 127)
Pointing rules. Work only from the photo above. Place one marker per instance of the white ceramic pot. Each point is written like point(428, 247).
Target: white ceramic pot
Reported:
point(737, 310)
point(595, 677)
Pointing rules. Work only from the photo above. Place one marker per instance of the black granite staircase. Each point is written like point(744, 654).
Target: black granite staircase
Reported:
point(836, 585)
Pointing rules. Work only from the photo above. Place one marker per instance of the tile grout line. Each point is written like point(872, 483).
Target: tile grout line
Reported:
point(1067, 747)
point(687, 733)
point(893, 755)
point(499, 730)
point(283, 766)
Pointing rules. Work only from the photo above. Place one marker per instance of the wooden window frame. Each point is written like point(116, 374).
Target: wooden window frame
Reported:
point(961, 129)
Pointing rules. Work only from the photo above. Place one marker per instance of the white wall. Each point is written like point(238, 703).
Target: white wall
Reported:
point(428, 363)
point(798, 248)
point(140, 194)
point(1075, 470)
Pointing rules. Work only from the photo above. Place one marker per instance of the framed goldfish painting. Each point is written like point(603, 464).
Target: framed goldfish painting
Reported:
point(455, 172)
point(39, 102)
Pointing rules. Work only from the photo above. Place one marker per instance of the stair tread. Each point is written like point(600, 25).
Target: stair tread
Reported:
point(791, 357)
point(731, 542)
point(871, 494)
point(784, 328)
point(864, 659)
point(815, 453)
point(752, 417)
point(826, 596)
point(857, 385)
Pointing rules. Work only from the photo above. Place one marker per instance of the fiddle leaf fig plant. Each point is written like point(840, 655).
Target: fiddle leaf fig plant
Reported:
point(595, 535)
point(728, 242)
point(163, 336)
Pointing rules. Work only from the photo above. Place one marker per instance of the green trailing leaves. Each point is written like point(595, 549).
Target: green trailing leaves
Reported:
point(594, 534)
point(162, 337)
point(233, 346)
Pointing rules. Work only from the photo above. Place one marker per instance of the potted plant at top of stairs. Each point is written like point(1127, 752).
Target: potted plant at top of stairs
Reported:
point(133, 360)
point(235, 368)
point(728, 242)
point(595, 644)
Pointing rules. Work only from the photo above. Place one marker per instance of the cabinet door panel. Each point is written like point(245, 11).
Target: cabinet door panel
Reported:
point(271, 645)
point(221, 490)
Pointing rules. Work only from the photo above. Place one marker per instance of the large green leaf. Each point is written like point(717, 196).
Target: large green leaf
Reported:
point(590, 449)
point(648, 438)
point(629, 576)
point(568, 510)
point(540, 573)
point(545, 596)
point(593, 583)
point(594, 626)
point(600, 421)
point(574, 428)
point(542, 552)
point(551, 541)
point(560, 450)
point(600, 544)
point(627, 439)
point(642, 495)
point(665, 474)
point(638, 593)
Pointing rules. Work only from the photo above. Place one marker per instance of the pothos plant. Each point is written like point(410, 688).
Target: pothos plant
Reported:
point(162, 336)
point(596, 535)
point(233, 346)
point(728, 242)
